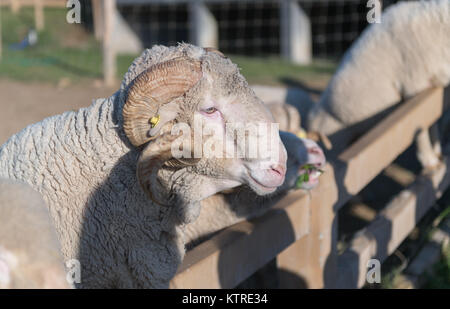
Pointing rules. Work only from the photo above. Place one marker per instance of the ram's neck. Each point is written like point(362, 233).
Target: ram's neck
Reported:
point(223, 210)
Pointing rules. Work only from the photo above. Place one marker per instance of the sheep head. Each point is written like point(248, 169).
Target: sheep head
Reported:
point(198, 99)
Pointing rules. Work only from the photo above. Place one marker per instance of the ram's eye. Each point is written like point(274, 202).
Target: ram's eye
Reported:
point(210, 110)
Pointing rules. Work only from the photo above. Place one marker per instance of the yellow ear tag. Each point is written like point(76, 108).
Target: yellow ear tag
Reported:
point(154, 121)
point(301, 134)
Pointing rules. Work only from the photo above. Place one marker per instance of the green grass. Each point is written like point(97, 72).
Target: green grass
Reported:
point(273, 70)
point(55, 55)
point(441, 273)
point(70, 51)
point(438, 277)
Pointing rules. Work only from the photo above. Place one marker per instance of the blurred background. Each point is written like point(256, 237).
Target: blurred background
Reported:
point(83, 47)
point(49, 65)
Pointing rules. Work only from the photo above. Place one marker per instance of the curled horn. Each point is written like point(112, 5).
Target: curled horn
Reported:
point(156, 86)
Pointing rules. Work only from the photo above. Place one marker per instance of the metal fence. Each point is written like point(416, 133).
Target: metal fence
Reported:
point(250, 27)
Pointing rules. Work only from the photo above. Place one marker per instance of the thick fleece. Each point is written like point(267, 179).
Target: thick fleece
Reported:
point(408, 52)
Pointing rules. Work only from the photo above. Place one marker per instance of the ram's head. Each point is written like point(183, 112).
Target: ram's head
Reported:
point(204, 131)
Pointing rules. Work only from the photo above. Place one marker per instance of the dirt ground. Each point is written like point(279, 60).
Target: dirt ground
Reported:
point(23, 104)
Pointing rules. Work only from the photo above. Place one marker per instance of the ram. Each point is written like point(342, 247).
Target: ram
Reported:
point(119, 196)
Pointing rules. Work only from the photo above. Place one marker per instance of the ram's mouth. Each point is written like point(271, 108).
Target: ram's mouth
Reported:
point(309, 176)
point(258, 187)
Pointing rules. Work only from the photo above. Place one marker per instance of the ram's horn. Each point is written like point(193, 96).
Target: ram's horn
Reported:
point(158, 85)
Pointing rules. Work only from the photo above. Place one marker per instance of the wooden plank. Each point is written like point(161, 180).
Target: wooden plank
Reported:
point(392, 225)
point(204, 29)
point(353, 170)
point(366, 158)
point(97, 14)
point(237, 252)
point(295, 33)
point(109, 54)
point(1, 41)
point(303, 263)
point(15, 6)
point(38, 15)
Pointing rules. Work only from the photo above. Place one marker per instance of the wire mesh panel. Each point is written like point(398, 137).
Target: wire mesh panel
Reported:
point(335, 24)
point(248, 28)
point(253, 28)
point(157, 23)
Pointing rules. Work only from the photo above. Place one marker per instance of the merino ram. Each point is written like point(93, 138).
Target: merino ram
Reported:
point(408, 52)
point(120, 201)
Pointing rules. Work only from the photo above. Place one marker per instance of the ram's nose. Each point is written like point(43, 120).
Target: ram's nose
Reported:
point(315, 154)
point(275, 175)
point(278, 169)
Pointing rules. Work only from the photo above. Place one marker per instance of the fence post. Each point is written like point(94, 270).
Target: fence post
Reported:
point(98, 18)
point(311, 261)
point(109, 54)
point(204, 30)
point(38, 15)
point(1, 42)
point(15, 6)
point(295, 33)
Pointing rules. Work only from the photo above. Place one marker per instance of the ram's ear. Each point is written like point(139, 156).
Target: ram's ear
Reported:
point(166, 113)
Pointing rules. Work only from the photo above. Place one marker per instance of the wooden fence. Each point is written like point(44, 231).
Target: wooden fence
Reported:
point(301, 230)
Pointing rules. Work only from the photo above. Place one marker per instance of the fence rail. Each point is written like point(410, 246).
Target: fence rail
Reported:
point(301, 230)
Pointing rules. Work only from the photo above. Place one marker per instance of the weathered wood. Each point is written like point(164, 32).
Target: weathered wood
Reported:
point(367, 157)
point(392, 225)
point(304, 262)
point(237, 252)
point(15, 6)
point(204, 30)
point(355, 168)
point(295, 33)
point(97, 14)
point(38, 15)
point(1, 42)
point(109, 54)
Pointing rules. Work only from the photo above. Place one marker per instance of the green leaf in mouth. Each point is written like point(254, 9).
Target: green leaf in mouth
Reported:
point(305, 177)
point(302, 179)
